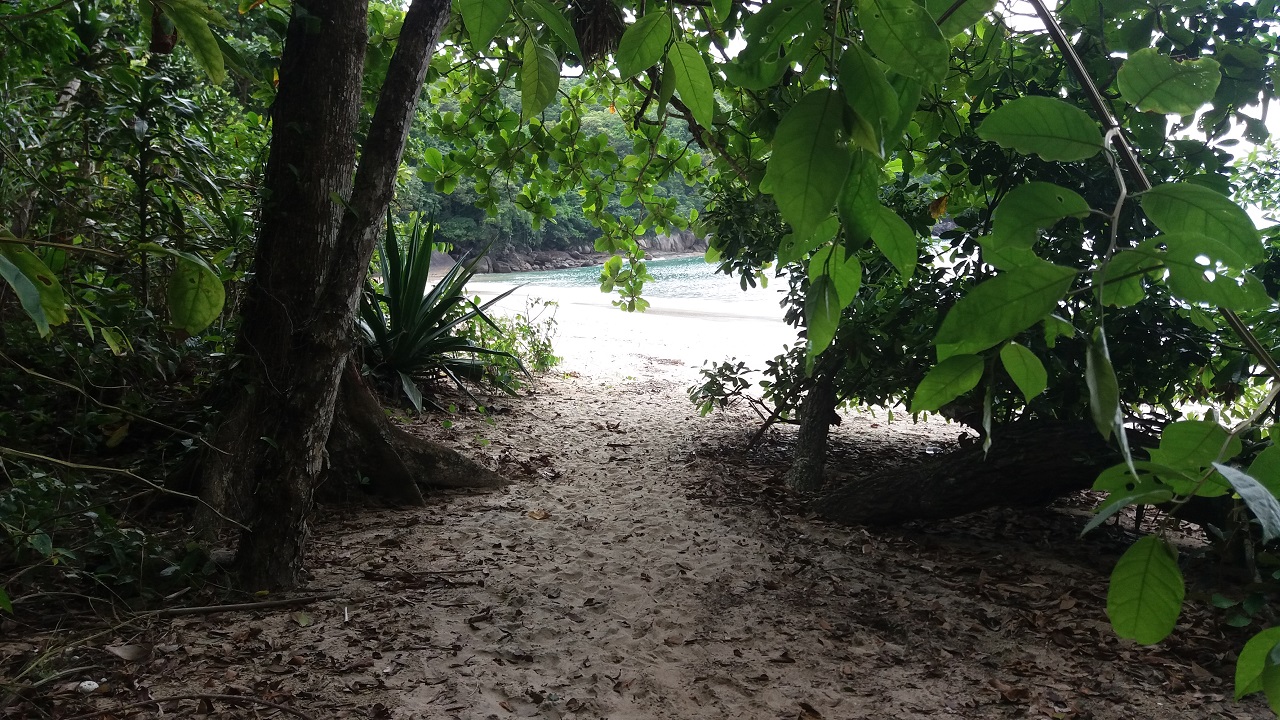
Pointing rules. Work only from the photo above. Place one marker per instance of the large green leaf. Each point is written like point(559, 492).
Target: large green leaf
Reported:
point(192, 18)
point(693, 82)
point(860, 195)
point(643, 44)
point(901, 33)
point(754, 75)
point(1146, 592)
point(776, 22)
point(1194, 444)
point(1191, 208)
point(947, 381)
point(1204, 270)
point(793, 247)
point(1002, 307)
point(539, 79)
point(1266, 469)
point(1021, 214)
point(1253, 661)
point(1045, 126)
point(1155, 82)
point(965, 15)
point(894, 238)
point(822, 314)
point(809, 164)
point(195, 296)
point(1025, 368)
point(556, 22)
point(483, 19)
point(844, 272)
point(1104, 389)
point(27, 292)
point(1265, 507)
point(38, 289)
point(1120, 283)
point(868, 92)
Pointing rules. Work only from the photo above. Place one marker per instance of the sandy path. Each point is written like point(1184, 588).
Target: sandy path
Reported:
point(640, 566)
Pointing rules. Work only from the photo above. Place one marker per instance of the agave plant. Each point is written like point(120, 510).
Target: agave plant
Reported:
point(408, 327)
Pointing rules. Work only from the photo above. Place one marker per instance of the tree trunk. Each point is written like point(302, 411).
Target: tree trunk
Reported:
point(817, 412)
point(1031, 463)
point(317, 234)
point(363, 443)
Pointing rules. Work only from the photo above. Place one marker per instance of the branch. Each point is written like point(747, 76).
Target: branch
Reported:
point(35, 13)
point(263, 605)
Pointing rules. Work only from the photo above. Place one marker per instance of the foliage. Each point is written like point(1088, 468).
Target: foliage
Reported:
point(526, 337)
point(410, 327)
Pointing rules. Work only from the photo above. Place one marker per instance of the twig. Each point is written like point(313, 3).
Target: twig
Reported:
point(62, 246)
point(210, 609)
point(233, 699)
point(117, 471)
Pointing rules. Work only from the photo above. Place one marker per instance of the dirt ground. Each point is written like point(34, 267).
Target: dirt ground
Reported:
point(642, 564)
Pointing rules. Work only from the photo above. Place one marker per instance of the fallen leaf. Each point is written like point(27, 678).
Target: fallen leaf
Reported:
point(303, 619)
point(128, 653)
point(809, 711)
point(673, 640)
point(539, 514)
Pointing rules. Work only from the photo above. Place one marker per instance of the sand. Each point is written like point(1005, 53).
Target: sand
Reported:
point(643, 565)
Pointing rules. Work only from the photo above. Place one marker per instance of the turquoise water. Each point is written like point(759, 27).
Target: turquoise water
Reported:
point(690, 277)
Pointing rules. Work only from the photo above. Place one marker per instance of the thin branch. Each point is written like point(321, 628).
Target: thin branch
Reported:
point(232, 699)
point(35, 13)
point(236, 607)
point(62, 246)
point(116, 471)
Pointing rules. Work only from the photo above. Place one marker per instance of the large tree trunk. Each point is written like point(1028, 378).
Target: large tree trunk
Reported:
point(1030, 463)
point(317, 234)
point(817, 412)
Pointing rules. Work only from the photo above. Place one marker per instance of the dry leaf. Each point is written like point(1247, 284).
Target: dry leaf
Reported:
point(539, 514)
point(302, 618)
point(128, 653)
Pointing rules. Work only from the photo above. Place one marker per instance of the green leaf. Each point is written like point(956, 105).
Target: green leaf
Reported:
point(556, 22)
point(1045, 126)
point(1146, 592)
point(947, 381)
point(41, 543)
point(808, 167)
point(191, 18)
point(1266, 469)
point(693, 82)
point(1120, 283)
point(195, 296)
point(1200, 272)
point(539, 79)
point(1253, 661)
point(1117, 503)
point(776, 22)
point(793, 247)
point(901, 33)
point(483, 19)
point(1054, 328)
point(643, 44)
point(1265, 507)
point(860, 196)
point(1104, 390)
point(1017, 220)
point(1191, 208)
point(1154, 82)
point(1025, 368)
point(845, 273)
point(867, 90)
point(5, 603)
point(755, 75)
point(1002, 307)
point(1194, 444)
point(895, 239)
point(411, 390)
point(35, 285)
point(720, 9)
point(964, 17)
point(822, 314)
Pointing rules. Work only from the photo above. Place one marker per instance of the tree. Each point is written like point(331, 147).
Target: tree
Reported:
point(319, 225)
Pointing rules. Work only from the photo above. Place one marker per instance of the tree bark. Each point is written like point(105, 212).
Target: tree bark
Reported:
point(817, 411)
point(363, 443)
point(1030, 463)
point(317, 235)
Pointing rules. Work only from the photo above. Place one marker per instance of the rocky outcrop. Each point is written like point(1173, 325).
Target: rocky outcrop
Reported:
point(509, 261)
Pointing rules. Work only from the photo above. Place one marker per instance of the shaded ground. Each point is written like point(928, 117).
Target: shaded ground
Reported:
point(642, 566)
